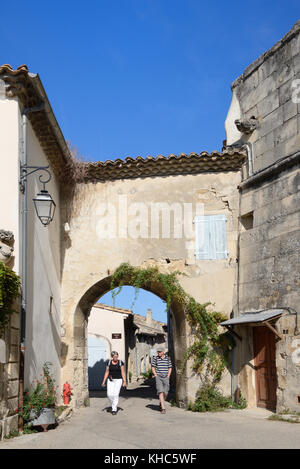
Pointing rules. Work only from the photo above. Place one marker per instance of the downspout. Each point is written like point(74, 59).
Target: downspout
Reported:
point(250, 155)
point(237, 304)
point(24, 256)
point(249, 150)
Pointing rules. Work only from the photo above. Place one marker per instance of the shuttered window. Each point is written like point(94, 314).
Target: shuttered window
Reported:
point(210, 237)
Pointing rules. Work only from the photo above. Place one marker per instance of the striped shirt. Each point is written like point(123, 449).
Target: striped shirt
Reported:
point(162, 365)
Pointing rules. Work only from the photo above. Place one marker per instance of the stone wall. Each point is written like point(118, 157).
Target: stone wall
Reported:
point(288, 364)
point(89, 261)
point(264, 91)
point(269, 239)
point(270, 247)
point(9, 376)
point(143, 342)
point(270, 250)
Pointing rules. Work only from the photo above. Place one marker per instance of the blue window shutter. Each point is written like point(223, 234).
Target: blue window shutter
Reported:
point(201, 237)
point(218, 237)
point(210, 237)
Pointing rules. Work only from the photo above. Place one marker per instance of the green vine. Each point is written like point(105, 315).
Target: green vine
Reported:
point(9, 289)
point(210, 349)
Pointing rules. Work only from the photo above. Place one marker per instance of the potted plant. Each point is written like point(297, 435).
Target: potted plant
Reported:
point(39, 403)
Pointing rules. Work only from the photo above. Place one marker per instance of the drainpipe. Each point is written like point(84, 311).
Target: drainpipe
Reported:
point(233, 356)
point(24, 256)
point(249, 149)
point(250, 155)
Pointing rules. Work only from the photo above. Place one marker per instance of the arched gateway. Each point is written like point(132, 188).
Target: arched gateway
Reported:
point(78, 365)
point(177, 214)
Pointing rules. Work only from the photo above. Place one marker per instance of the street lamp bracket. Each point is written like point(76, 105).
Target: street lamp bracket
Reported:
point(33, 169)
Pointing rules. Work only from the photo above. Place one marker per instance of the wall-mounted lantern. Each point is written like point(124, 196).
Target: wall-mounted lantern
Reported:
point(44, 207)
point(43, 202)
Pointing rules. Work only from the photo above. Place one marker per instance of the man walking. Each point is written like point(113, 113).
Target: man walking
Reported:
point(162, 369)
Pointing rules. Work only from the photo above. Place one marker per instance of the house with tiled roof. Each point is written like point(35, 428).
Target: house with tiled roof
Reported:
point(144, 337)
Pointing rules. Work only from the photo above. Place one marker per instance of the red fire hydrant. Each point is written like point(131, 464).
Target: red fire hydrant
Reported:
point(67, 392)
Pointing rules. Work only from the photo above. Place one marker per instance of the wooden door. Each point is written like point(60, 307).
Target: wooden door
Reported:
point(265, 367)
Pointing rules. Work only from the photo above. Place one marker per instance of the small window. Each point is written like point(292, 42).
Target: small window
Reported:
point(247, 221)
point(210, 237)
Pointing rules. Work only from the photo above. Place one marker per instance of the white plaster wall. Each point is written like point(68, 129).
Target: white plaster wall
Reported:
point(9, 174)
point(43, 273)
point(43, 329)
point(104, 323)
point(233, 135)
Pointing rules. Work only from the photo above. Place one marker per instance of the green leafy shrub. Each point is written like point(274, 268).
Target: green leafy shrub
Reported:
point(12, 434)
point(242, 404)
point(147, 374)
point(173, 403)
point(9, 289)
point(27, 429)
point(210, 399)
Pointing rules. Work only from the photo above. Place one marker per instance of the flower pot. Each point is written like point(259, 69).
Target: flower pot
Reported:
point(44, 418)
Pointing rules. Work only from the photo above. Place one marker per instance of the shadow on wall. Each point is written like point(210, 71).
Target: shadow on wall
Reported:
point(96, 374)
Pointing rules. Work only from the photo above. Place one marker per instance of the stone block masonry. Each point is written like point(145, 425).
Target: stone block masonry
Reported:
point(269, 248)
point(9, 378)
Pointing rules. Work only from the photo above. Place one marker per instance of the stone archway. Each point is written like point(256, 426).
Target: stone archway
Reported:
point(90, 257)
point(75, 369)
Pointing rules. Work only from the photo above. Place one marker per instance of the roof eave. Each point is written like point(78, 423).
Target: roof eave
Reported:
point(28, 89)
point(37, 83)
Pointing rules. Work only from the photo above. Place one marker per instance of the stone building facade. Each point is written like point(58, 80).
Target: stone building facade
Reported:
point(108, 329)
point(210, 280)
point(9, 350)
point(145, 334)
point(36, 135)
point(265, 116)
point(9, 375)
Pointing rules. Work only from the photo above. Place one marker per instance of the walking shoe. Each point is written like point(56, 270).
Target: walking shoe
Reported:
point(163, 411)
point(114, 412)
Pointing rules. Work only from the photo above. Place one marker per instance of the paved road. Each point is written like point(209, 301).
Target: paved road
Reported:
point(141, 426)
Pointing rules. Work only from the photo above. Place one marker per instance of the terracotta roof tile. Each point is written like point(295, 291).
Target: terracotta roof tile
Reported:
point(228, 160)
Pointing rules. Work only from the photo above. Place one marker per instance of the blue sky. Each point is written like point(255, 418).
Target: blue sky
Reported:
point(141, 77)
point(143, 301)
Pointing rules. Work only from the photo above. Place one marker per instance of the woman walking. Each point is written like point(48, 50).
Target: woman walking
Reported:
point(115, 377)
